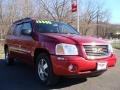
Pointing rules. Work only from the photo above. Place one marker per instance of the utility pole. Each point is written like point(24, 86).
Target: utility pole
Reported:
point(78, 17)
point(97, 23)
point(75, 8)
point(1, 18)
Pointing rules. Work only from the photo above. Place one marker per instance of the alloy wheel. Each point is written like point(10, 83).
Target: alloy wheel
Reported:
point(43, 69)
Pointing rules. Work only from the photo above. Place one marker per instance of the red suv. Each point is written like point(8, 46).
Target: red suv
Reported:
point(56, 49)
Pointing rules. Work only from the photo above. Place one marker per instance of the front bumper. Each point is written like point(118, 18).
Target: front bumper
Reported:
point(81, 65)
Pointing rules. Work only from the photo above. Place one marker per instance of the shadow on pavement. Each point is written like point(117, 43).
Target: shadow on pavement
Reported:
point(21, 77)
point(66, 82)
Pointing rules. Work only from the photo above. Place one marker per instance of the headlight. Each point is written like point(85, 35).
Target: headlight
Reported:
point(110, 48)
point(66, 49)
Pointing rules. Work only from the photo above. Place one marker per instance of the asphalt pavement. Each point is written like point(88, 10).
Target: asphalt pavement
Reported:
point(21, 77)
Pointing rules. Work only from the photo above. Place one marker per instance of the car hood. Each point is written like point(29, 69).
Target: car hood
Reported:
point(74, 39)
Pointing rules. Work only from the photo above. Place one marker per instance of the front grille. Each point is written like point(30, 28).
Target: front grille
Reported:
point(96, 51)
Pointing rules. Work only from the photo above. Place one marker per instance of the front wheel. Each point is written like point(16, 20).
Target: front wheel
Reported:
point(8, 59)
point(44, 70)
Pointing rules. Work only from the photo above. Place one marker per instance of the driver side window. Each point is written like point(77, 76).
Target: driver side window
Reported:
point(26, 26)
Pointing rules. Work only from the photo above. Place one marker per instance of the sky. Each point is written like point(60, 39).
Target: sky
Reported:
point(114, 7)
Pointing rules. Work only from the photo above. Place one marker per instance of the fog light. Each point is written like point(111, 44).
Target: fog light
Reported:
point(72, 68)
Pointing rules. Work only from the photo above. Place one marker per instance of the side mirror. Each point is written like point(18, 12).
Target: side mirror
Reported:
point(26, 31)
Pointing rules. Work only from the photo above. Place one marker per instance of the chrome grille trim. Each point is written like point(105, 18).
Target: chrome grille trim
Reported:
point(96, 51)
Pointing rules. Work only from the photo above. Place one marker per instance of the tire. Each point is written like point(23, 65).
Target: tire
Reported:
point(8, 59)
point(44, 71)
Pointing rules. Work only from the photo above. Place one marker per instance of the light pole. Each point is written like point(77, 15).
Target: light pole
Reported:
point(75, 8)
point(78, 17)
point(97, 22)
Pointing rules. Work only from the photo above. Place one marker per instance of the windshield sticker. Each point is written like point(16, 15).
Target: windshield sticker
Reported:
point(44, 22)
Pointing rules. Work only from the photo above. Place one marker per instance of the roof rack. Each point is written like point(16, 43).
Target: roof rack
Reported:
point(22, 20)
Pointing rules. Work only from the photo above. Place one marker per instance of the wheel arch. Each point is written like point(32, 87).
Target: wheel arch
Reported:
point(38, 51)
point(52, 79)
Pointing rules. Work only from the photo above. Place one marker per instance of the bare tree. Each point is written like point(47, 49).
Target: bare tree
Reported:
point(58, 10)
point(92, 14)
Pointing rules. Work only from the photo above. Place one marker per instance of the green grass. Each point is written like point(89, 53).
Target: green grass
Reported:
point(116, 45)
point(1, 52)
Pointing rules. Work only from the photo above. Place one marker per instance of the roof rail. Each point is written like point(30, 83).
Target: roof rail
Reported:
point(27, 18)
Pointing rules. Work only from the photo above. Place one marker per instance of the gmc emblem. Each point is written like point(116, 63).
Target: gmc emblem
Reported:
point(97, 50)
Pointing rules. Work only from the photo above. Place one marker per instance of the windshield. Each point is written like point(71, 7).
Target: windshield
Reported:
point(55, 27)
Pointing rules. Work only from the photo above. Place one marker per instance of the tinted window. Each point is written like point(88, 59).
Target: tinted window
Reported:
point(67, 29)
point(48, 28)
point(55, 27)
point(17, 30)
point(27, 26)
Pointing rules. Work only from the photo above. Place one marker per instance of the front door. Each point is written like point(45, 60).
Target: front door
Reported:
point(27, 44)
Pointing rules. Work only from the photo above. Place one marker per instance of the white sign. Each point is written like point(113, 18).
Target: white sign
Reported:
point(101, 66)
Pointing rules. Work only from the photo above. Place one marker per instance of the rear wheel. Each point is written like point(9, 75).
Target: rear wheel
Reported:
point(8, 59)
point(44, 70)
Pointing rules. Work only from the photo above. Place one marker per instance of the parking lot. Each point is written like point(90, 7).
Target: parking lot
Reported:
point(21, 77)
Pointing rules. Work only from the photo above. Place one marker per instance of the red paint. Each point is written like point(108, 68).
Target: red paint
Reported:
point(74, 5)
point(24, 47)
